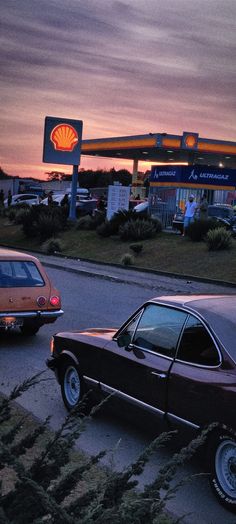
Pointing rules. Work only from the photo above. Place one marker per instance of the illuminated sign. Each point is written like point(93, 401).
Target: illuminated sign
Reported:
point(62, 141)
point(208, 177)
point(64, 137)
point(189, 140)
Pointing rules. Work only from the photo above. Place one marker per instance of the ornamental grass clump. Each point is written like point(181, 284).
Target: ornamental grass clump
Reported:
point(53, 483)
point(218, 239)
point(127, 259)
point(198, 229)
point(51, 246)
point(140, 229)
point(136, 248)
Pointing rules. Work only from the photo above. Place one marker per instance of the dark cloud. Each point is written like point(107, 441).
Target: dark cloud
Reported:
point(125, 67)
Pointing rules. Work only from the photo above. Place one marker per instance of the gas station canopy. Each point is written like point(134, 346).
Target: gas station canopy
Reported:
point(164, 148)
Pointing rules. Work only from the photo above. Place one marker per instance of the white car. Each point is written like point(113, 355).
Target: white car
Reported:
point(23, 198)
point(142, 207)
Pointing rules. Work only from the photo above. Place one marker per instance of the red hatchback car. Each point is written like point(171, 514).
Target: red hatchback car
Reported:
point(28, 298)
point(174, 358)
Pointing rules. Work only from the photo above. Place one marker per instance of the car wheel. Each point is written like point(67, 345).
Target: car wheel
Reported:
point(29, 329)
point(222, 453)
point(71, 385)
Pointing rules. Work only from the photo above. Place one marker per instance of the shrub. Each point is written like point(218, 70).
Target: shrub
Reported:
point(218, 238)
point(119, 218)
point(140, 229)
point(198, 229)
point(136, 248)
point(127, 259)
point(104, 229)
point(85, 222)
point(20, 214)
point(44, 480)
point(51, 245)
point(44, 221)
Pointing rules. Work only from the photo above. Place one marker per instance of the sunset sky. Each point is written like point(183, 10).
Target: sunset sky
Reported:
point(123, 67)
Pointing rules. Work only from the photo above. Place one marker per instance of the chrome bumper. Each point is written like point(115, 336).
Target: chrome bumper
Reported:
point(33, 314)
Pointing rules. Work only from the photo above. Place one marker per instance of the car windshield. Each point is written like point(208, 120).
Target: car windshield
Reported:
point(14, 273)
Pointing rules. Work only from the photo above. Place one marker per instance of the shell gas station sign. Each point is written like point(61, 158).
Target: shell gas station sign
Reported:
point(62, 141)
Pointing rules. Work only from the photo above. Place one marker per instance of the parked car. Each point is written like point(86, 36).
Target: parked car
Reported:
point(175, 358)
point(143, 208)
point(23, 198)
point(28, 298)
point(222, 213)
point(84, 203)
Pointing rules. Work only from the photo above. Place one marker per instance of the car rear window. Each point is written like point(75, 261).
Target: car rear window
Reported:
point(14, 273)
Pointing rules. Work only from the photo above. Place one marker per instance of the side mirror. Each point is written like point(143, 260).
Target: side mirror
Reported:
point(123, 340)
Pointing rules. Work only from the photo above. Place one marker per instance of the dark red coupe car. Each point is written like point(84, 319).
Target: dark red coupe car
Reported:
point(175, 357)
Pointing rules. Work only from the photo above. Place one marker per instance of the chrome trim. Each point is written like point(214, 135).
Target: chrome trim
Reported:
point(33, 314)
point(212, 334)
point(124, 396)
point(159, 375)
point(132, 400)
point(183, 421)
point(91, 381)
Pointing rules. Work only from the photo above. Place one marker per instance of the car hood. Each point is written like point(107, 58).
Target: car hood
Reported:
point(104, 334)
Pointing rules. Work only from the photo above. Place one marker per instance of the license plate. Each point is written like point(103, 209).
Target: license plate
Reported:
point(10, 322)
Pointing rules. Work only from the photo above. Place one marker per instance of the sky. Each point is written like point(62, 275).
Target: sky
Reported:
point(124, 68)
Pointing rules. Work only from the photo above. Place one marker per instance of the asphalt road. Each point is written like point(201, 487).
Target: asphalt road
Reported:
point(97, 302)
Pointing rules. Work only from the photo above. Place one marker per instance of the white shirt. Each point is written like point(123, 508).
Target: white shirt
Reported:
point(190, 209)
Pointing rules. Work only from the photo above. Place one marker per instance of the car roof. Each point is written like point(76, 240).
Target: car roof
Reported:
point(8, 254)
point(218, 311)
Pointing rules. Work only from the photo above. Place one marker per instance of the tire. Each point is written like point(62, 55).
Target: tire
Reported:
point(29, 329)
point(71, 385)
point(222, 454)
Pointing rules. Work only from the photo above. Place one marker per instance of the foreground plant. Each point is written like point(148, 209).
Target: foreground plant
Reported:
point(42, 491)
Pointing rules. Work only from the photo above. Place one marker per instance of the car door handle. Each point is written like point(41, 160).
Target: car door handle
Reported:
point(159, 375)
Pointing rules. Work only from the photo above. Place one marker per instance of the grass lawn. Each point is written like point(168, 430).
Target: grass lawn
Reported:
point(166, 252)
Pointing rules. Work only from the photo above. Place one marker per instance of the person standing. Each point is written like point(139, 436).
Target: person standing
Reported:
point(9, 198)
point(50, 198)
point(190, 209)
point(203, 207)
point(1, 198)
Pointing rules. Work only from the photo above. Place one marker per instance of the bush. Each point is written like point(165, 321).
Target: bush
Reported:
point(20, 214)
point(218, 238)
point(86, 222)
point(127, 259)
point(51, 245)
point(198, 229)
point(104, 229)
point(44, 221)
point(140, 229)
point(136, 248)
point(43, 481)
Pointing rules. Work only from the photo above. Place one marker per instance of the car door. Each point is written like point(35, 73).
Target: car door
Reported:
point(196, 377)
point(136, 365)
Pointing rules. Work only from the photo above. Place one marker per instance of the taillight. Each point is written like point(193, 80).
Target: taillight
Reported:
point(41, 301)
point(55, 301)
point(52, 345)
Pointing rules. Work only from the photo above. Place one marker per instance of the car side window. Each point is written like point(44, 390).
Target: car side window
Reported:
point(196, 344)
point(159, 329)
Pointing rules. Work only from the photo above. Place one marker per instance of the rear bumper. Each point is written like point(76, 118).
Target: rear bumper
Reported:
point(41, 316)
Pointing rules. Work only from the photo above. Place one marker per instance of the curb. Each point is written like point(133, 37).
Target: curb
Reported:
point(133, 269)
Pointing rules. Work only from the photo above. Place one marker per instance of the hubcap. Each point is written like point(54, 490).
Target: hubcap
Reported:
point(72, 386)
point(225, 464)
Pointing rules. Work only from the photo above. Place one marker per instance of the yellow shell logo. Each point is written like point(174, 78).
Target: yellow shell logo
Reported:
point(190, 140)
point(64, 137)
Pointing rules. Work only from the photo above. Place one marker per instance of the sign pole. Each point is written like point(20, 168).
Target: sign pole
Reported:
point(72, 214)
